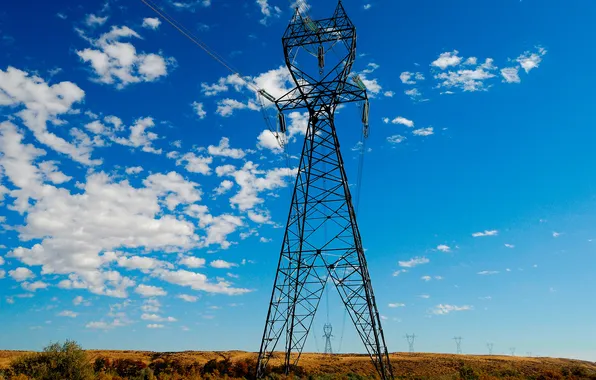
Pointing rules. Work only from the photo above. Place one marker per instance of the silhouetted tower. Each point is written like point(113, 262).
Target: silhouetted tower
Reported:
point(327, 329)
point(322, 237)
point(458, 343)
point(410, 339)
point(512, 350)
point(490, 348)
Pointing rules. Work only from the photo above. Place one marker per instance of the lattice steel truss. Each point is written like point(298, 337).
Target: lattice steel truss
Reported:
point(322, 240)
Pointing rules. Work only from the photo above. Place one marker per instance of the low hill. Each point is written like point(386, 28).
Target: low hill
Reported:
point(417, 365)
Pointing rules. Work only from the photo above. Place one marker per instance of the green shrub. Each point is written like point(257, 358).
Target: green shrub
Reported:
point(468, 373)
point(58, 361)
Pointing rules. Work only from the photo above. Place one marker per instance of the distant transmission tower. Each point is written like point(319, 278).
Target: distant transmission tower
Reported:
point(410, 339)
point(458, 343)
point(529, 354)
point(512, 350)
point(327, 329)
point(490, 348)
point(322, 238)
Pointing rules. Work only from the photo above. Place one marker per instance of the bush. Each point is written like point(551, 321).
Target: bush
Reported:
point(57, 362)
point(468, 373)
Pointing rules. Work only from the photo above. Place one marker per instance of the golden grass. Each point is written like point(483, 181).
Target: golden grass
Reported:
point(410, 365)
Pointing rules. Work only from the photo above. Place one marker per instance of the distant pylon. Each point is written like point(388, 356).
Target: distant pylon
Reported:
point(529, 354)
point(410, 339)
point(512, 350)
point(458, 343)
point(490, 348)
point(327, 329)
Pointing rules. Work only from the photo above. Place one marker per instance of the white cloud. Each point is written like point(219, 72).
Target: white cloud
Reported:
point(198, 281)
point(93, 20)
point(485, 233)
point(510, 75)
point(33, 286)
point(133, 170)
point(426, 278)
point(410, 78)
point(118, 63)
point(423, 131)
point(403, 121)
point(187, 298)
point(222, 264)
point(395, 139)
point(79, 300)
point(43, 103)
point(224, 150)
point(199, 110)
point(140, 262)
point(192, 262)
point(139, 136)
point(366, 6)
point(556, 234)
point(488, 272)
point(223, 187)
point(413, 262)
point(189, 5)
point(155, 326)
point(529, 61)
point(398, 272)
point(157, 318)
point(389, 94)
point(226, 107)
point(264, 240)
point(21, 274)
point(196, 164)
point(425, 296)
point(253, 181)
point(267, 10)
point(150, 291)
point(509, 245)
point(68, 313)
point(443, 309)
point(393, 305)
point(468, 79)
point(446, 60)
point(444, 248)
point(151, 23)
point(413, 93)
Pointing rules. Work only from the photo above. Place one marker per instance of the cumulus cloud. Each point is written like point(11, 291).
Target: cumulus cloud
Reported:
point(267, 10)
point(150, 291)
point(21, 274)
point(192, 262)
point(403, 121)
point(488, 272)
point(411, 78)
point(394, 305)
point(198, 281)
point(151, 23)
point(224, 150)
point(395, 139)
point(467, 79)
point(447, 59)
point(222, 264)
point(510, 75)
point(118, 63)
point(529, 61)
point(199, 109)
point(40, 103)
point(444, 248)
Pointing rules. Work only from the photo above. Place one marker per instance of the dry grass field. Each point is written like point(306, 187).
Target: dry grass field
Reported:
point(418, 365)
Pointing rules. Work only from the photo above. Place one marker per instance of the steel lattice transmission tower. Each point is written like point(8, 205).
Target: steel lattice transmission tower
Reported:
point(458, 343)
point(410, 339)
point(327, 329)
point(490, 348)
point(322, 239)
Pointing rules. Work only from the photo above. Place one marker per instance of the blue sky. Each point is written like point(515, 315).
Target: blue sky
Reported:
point(142, 199)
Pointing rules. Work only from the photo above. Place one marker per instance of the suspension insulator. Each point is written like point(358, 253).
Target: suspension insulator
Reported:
point(321, 56)
point(282, 122)
point(365, 111)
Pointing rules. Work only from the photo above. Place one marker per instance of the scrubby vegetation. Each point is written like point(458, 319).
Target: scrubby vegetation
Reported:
point(68, 361)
